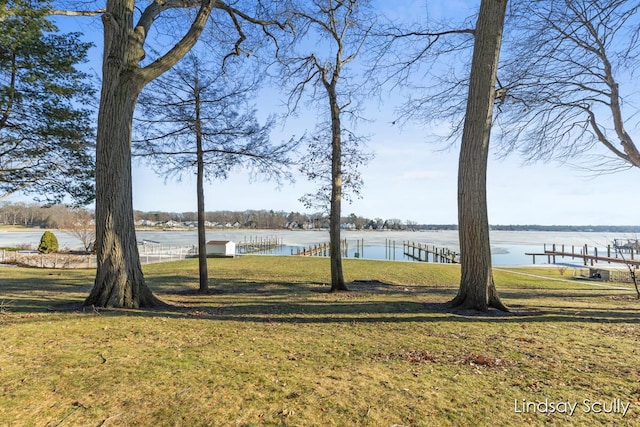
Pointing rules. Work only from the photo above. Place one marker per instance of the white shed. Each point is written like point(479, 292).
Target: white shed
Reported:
point(221, 248)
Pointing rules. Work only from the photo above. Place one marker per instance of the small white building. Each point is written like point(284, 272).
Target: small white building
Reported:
point(221, 248)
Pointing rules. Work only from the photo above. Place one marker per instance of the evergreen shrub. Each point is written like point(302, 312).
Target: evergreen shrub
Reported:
point(48, 243)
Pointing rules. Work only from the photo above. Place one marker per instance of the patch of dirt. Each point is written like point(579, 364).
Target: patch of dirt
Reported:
point(514, 311)
point(195, 291)
point(79, 307)
point(72, 306)
point(420, 357)
point(360, 285)
point(625, 298)
point(486, 361)
point(373, 285)
point(411, 356)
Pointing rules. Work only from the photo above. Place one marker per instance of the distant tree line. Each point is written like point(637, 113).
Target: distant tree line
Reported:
point(35, 215)
point(63, 216)
point(270, 219)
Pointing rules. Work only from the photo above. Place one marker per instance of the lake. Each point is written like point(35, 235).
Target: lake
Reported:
point(508, 247)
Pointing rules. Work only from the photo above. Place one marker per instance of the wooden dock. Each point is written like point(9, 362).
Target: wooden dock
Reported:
point(611, 255)
point(627, 245)
point(442, 255)
point(257, 245)
point(320, 249)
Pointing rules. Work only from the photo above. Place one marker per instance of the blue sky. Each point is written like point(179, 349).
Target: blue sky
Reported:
point(411, 177)
point(414, 178)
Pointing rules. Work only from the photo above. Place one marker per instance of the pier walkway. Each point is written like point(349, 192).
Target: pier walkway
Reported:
point(611, 256)
point(420, 252)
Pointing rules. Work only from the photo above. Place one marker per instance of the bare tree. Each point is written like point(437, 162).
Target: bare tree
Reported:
point(339, 29)
point(569, 82)
point(477, 289)
point(564, 86)
point(198, 117)
point(82, 226)
point(432, 60)
point(632, 244)
point(429, 62)
point(126, 70)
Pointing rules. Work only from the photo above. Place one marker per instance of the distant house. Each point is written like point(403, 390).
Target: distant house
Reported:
point(221, 248)
point(145, 223)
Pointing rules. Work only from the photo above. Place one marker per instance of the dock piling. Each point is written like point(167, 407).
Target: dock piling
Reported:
point(442, 255)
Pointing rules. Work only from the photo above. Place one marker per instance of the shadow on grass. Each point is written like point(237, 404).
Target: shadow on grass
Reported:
point(234, 286)
point(235, 299)
point(382, 312)
point(47, 281)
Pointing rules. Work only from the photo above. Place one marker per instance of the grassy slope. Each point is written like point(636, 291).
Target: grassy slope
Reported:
point(273, 348)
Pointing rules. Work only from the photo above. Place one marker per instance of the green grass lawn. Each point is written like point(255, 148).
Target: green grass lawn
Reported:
point(274, 348)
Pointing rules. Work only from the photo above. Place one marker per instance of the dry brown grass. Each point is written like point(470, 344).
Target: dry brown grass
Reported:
point(274, 348)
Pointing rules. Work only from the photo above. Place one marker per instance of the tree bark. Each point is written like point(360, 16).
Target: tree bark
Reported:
point(335, 252)
point(477, 289)
point(202, 234)
point(119, 280)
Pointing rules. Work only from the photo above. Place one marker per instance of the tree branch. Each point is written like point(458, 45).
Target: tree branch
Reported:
point(241, 37)
point(420, 34)
point(180, 49)
point(152, 11)
point(602, 137)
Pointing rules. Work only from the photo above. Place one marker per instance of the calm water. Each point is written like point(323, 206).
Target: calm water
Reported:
point(508, 247)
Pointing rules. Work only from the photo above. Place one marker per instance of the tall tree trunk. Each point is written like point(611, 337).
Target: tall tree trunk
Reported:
point(335, 252)
point(477, 289)
point(119, 280)
point(202, 234)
